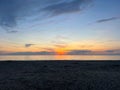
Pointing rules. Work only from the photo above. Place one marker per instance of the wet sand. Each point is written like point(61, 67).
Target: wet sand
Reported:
point(60, 75)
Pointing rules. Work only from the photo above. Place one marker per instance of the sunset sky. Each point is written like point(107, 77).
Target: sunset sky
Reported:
point(59, 27)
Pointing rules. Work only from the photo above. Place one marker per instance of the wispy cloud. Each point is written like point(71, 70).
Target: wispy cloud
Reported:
point(65, 7)
point(14, 31)
point(60, 41)
point(86, 46)
point(13, 11)
point(61, 45)
point(28, 45)
point(107, 19)
point(48, 49)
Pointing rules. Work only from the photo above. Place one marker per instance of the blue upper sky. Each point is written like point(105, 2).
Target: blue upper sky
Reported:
point(67, 25)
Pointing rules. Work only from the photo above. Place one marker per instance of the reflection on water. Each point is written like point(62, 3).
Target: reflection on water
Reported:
point(61, 57)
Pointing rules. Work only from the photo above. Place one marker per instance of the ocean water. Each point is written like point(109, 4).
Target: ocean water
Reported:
point(58, 57)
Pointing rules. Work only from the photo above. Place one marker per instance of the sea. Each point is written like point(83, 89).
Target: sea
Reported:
point(57, 57)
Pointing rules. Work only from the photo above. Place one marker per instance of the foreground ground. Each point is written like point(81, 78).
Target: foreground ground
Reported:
point(60, 75)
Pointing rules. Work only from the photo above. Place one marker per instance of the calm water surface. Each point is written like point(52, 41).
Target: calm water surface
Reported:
point(60, 57)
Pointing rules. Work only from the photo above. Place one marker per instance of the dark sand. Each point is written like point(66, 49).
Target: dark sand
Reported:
point(60, 75)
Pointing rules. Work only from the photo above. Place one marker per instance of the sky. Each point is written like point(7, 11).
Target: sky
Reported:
point(59, 27)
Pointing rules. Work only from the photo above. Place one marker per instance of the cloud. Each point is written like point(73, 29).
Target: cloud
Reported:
point(90, 52)
point(28, 45)
point(60, 41)
point(70, 52)
point(107, 19)
point(61, 37)
point(65, 7)
point(114, 51)
point(3, 52)
point(79, 52)
point(86, 46)
point(110, 51)
point(60, 45)
point(32, 53)
point(14, 31)
point(12, 12)
point(48, 49)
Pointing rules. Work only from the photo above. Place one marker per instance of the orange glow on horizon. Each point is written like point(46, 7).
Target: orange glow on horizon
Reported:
point(60, 51)
point(83, 45)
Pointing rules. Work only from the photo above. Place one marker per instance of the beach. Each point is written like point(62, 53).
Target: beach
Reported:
point(60, 75)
